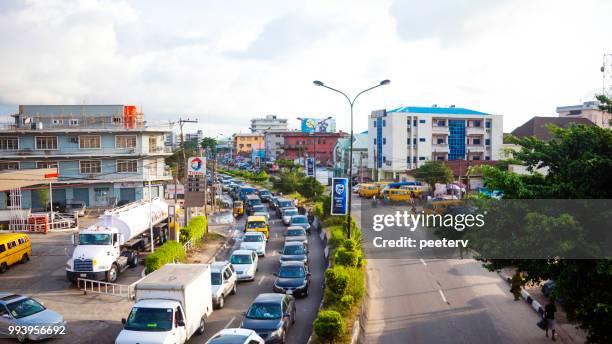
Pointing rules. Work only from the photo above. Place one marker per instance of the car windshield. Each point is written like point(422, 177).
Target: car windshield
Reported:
point(253, 238)
point(253, 202)
point(149, 319)
point(259, 208)
point(24, 308)
point(94, 239)
point(256, 224)
point(291, 272)
point(215, 278)
point(295, 232)
point(283, 204)
point(264, 311)
point(299, 219)
point(293, 250)
point(241, 259)
point(229, 339)
point(290, 212)
point(264, 193)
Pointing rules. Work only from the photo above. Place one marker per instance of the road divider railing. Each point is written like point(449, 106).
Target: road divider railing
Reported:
point(106, 288)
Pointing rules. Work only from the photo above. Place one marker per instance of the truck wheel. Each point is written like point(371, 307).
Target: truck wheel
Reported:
point(133, 260)
point(24, 259)
point(200, 330)
point(112, 274)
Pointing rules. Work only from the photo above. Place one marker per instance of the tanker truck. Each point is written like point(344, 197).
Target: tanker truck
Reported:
point(104, 250)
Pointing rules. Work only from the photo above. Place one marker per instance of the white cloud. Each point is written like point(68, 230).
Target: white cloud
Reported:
point(230, 61)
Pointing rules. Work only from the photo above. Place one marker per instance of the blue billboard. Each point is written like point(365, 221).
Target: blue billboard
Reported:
point(310, 167)
point(311, 125)
point(340, 193)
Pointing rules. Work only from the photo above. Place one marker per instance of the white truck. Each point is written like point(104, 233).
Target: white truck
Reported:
point(110, 246)
point(172, 305)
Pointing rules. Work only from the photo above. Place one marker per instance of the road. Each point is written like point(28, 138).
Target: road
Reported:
point(307, 308)
point(411, 300)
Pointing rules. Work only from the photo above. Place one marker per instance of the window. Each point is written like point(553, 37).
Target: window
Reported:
point(440, 141)
point(476, 141)
point(488, 124)
point(324, 141)
point(127, 166)
point(73, 122)
point(9, 143)
point(422, 139)
point(374, 124)
point(488, 142)
point(421, 121)
point(375, 141)
point(476, 157)
point(384, 159)
point(414, 142)
point(116, 120)
point(440, 158)
point(248, 145)
point(476, 124)
point(241, 145)
point(487, 158)
point(57, 122)
point(441, 123)
point(414, 122)
point(89, 142)
point(90, 166)
point(9, 165)
point(384, 140)
point(46, 164)
point(152, 167)
point(125, 141)
point(421, 158)
point(153, 144)
point(46, 142)
point(384, 122)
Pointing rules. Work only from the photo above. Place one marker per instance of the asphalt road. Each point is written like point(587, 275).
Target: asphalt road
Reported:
point(231, 315)
point(411, 300)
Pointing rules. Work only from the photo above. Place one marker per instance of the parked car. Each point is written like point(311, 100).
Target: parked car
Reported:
point(292, 278)
point(283, 203)
point(296, 233)
point(254, 241)
point(300, 220)
point(236, 336)
point(223, 280)
point(22, 311)
point(265, 195)
point(294, 251)
point(245, 264)
point(287, 213)
point(75, 206)
point(271, 316)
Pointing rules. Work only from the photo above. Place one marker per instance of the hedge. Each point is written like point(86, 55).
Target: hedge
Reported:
point(329, 325)
point(195, 230)
point(166, 253)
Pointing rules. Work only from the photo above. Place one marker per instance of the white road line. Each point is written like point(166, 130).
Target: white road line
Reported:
point(261, 280)
point(442, 296)
point(229, 322)
point(422, 261)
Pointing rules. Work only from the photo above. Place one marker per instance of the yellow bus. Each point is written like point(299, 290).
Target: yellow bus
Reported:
point(397, 195)
point(438, 206)
point(257, 224)
point(368, 190)
point(14, 248)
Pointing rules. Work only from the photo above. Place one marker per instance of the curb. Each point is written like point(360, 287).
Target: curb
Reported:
point(326, 256)
point(537, 307)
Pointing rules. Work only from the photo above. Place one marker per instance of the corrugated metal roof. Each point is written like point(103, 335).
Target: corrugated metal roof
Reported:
point(437, 110)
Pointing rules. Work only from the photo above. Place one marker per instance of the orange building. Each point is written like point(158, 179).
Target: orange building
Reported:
point(244, 144)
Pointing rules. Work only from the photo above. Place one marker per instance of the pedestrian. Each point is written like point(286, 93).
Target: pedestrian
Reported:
point(516, 285)
point(549, 314)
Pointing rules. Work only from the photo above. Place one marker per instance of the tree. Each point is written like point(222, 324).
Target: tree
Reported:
point(43, 196)
point(432, 172)
point(606, 103)
point(209, 144)
point(311, 188)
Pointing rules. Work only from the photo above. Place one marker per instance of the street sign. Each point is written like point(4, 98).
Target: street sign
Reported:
point(310, 167)
point(196, 166)
point(340, 190)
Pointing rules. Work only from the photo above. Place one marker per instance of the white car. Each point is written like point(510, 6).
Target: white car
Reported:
point(223, 282)
point(254, 241)
point(245, 264)
point(237, 336)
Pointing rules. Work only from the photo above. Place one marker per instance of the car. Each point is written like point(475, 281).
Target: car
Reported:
point(283, 203)
point(223, 281)
point(235, 336)
point(294, 251)
point(245, 264)
point(254, 241)
point(287, 213)
point(296, 233)
point(260, 210)
point(251, 201)
point(271, 316)
point(272, 202)
point(21, 311)
point(292, 278)
point(265, 195)
point(300, 220)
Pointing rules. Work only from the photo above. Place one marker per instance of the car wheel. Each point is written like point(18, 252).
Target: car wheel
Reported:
point(221, 302)
point(24, 259)
point(293, 318)
point(112, 274)
point(3, 267)
point(234, 289)
point(21, 338)
point(200, 330)
point(306, 292)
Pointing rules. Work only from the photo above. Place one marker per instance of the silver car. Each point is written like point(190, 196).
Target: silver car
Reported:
point(287, 213)
point(296, 233)
point(17, 312)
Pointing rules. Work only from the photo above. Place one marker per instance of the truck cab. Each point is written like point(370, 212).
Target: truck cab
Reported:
point(154, 321)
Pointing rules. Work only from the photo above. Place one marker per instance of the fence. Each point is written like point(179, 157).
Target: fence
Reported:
point(188, 245)
point(58, 224)
point(100, 287)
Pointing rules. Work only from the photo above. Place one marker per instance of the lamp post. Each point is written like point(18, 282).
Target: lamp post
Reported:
point(314, 142)
point(350, 173)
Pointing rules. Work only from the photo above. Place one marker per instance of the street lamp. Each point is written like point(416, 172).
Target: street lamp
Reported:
point(350, 174)
point(314, 139)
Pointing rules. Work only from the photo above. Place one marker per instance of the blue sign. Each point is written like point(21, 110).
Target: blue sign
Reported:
point(310, 167)
point(340, 193)
point(318, 125)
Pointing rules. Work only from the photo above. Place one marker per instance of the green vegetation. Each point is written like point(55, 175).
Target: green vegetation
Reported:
point(209, 144)
point(195, 230)
point(169, 252)
point(329, 325)
point(260, 177)
point(43, 196)
point(432, 172)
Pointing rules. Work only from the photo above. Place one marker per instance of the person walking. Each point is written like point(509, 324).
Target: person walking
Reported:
point(516, 284)
point(549, 314)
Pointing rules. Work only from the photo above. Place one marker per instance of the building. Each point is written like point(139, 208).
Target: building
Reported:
point(341, 156)
point(270, 122)
point(224, 148)
point(320, 125)
point(244, 144)
point(194, 138)
point(538, 126)
point(171, 140)
point(104, 153)
point(404, 138)
point(298, 145)
point(587, 110)
point(273, 142)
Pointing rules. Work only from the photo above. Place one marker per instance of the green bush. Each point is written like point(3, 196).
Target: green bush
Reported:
point(350, 244)
point(346, 302)
point(166, 253)
point(195, 230)
point(336, 237)
point(311, 188)
point(346, 258)
point(329, 325)
point(337, 281)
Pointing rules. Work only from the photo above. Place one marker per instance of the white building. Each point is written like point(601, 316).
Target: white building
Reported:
point(270, 122)
point(404, 138)
point(589, 110)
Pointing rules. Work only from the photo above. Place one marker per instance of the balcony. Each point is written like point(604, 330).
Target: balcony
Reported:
point(475, 148)
point(78, 152)
point(439, 129)
point(440, 148)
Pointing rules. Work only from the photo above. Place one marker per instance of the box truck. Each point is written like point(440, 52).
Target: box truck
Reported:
point(172, 305)
point(110, 246)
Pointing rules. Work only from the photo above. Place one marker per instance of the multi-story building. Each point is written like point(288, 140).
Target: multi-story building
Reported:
point(538, 126)
point(404, 138)
point(171, 140)
point(104, 153)
point(270, 122)
point(589, 110)
point(274, 141)
point(244, 144)
point(299, 145)
point(194, 138)
point(360, 156)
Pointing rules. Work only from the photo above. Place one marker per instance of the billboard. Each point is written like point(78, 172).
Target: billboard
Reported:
point(311, 125)
point(310, 167)
point(196, 166)
point(340, 190)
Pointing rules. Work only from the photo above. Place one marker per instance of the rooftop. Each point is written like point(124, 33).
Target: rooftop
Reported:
point(435, 110)
point(537, 126)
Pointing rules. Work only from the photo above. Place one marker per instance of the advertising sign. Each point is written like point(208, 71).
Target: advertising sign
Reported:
point(310, 167)
point(340, 190)
point(196, 166)
point(311, 125)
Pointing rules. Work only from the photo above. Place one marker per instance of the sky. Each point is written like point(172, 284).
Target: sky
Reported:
point(225, 62)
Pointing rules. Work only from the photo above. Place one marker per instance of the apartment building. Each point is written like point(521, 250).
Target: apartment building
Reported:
point(404, 138)
point(104, 153)
point(298, 145)
point(588, 110)
point(270, 122)
point(245, 144)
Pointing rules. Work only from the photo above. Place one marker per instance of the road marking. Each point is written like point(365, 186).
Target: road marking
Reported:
point(442, 296)
point(261, 280)
point(422, 261)
point(229, 322)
